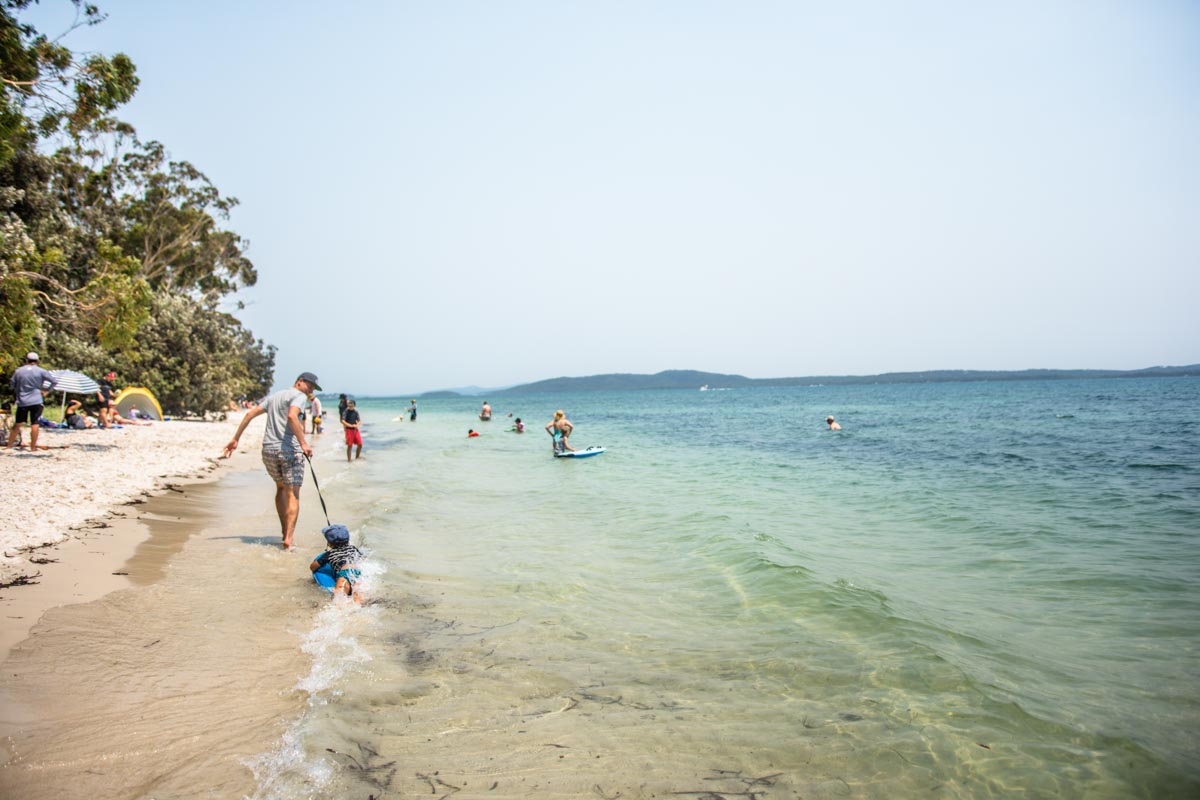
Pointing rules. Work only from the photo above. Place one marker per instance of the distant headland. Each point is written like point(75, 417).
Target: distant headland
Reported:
point(693, 379)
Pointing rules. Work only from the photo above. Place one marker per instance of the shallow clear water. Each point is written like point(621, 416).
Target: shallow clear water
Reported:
point(972, 589)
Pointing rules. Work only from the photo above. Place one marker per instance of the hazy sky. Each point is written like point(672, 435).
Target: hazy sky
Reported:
point(441, 194)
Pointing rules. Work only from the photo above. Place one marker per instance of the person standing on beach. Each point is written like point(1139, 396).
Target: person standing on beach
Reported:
point(104, 397)
point(352, 422)
point(560, 429)
point(342, 403)
point(412, 411)
point(316, 414)
point(283, 448)
point(26, 382)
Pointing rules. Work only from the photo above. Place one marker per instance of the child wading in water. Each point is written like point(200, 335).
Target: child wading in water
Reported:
point(352, 423)
point(341, 556)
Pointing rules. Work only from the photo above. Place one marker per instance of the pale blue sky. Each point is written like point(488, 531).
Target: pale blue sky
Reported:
point(440, 194)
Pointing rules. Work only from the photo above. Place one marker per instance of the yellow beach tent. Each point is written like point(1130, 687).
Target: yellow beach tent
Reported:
point(143, 400)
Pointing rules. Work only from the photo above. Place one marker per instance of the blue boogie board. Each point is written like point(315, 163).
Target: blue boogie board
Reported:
point(591, 451)
point(324, 577)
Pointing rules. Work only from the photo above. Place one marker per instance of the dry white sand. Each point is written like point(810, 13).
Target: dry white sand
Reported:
point(55, 495)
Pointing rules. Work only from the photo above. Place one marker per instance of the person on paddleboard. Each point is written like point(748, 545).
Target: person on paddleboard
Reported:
point(560, 429)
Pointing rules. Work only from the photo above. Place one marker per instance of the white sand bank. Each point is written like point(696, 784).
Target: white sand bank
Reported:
point(51, 496)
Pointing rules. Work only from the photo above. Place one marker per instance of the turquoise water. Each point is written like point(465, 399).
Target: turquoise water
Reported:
point(972, 590)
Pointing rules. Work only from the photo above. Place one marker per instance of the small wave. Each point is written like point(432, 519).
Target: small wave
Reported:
point(334, 649)
point(1162, 467)
point(275, 770)
point(336, 652)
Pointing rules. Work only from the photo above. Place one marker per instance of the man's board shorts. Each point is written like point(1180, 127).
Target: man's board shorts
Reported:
point(284, 468)
point(353, 436)
point(30, 414)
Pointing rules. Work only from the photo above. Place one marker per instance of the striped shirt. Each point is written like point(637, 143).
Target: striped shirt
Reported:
point(340, 557)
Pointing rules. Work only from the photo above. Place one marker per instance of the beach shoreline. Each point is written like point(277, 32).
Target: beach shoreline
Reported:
point(117, 667)
point(75, 510)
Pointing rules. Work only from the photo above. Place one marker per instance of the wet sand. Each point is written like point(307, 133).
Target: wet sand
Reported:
point(148, 642)
point(167, 685)
point(73, 511)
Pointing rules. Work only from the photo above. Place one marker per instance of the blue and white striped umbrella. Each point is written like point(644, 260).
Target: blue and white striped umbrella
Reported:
point(67, 380)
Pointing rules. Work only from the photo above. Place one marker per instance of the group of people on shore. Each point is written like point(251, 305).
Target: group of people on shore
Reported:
point(30, 384)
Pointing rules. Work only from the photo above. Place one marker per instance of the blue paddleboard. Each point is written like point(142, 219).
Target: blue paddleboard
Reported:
point(324, 577)
point(591, 451)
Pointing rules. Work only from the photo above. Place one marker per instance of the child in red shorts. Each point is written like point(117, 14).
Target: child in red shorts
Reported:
point(351, 422)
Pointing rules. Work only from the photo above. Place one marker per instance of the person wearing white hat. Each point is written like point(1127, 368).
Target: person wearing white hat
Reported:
point(27, 384)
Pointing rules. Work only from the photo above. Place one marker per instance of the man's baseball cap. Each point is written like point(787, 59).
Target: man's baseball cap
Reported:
point(31, 357)
point(308, 376)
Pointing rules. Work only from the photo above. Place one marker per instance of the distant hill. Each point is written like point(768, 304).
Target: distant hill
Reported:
point(461, 391)
point(692, 379)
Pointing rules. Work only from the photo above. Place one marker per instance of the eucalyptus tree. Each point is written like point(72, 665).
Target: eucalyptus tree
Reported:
point(111, 252)
point(46, 88)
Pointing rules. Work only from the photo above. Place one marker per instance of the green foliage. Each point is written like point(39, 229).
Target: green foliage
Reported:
point(45, 90)
point(19, 327)
point(119, 295)
point(196, 359)
point(111, 254)
point(170, 209)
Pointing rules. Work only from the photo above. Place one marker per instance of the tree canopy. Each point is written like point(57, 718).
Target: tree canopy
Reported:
point(112, 254)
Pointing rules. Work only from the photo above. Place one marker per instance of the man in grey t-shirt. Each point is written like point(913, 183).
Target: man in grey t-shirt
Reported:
point(27, 381)
point(283, 448)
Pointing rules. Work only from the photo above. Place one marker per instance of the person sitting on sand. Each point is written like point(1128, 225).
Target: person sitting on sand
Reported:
point(485, 413)
point(560, 429)
point(833, 426)
point(341, 556)
point(76, 419)
point(115, 418)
